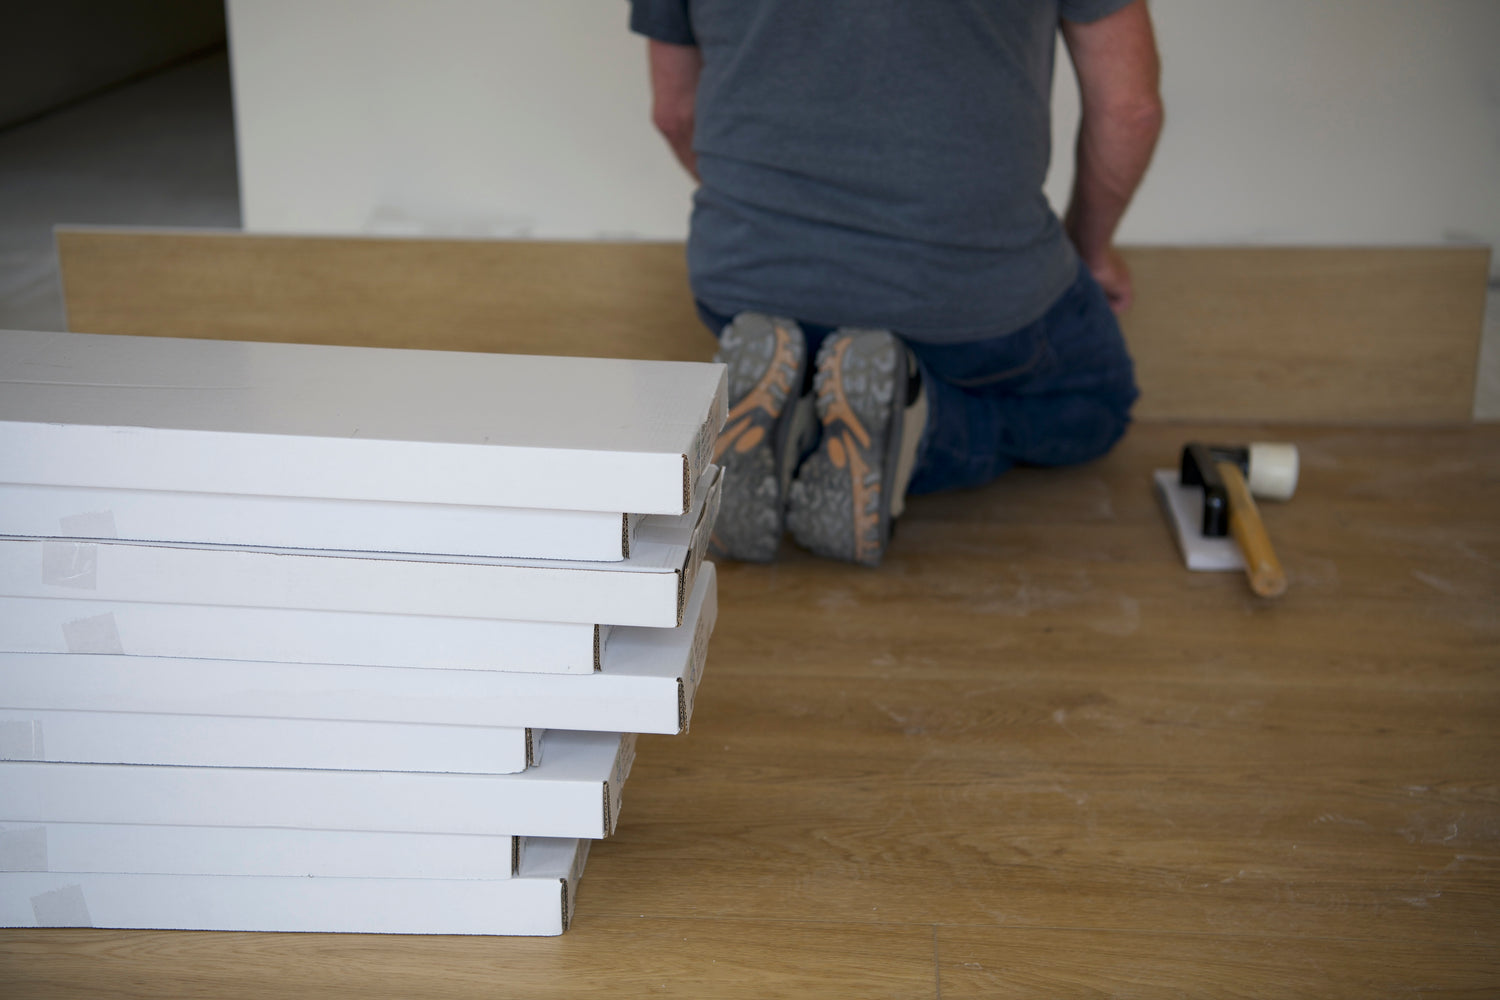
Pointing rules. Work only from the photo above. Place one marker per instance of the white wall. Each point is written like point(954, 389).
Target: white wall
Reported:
point(1341, 121)
point(1338, 122)
point(448, 117)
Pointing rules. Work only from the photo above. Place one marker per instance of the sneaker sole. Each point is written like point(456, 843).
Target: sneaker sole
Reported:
point(838, 505)
point(767, 358)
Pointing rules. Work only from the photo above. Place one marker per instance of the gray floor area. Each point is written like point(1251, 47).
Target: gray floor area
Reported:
point(160, 152)
point(156, 152)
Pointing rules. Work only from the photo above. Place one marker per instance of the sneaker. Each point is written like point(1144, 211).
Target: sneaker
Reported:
point(767, 359)
point(872, 410)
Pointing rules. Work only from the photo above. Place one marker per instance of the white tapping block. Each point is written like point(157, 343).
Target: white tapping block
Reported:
point(1183, 506)
point(356, 423)
point(575, 792)
point(538, 901)
point(648, 684)
point(280, 635)
point(312, 523)
point(247, 741)
point(650, 588)
point(226, 850)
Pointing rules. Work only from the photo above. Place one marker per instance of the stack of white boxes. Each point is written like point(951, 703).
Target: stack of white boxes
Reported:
point(299, 638)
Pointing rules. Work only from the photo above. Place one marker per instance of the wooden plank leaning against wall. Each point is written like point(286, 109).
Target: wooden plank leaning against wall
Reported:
point(1338, 335)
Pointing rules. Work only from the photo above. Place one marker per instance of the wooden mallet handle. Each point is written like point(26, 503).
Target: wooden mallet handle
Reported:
point(1266, 575)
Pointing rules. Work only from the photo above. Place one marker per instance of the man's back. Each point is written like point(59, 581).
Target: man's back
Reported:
point(874, 162)
point(871, 242)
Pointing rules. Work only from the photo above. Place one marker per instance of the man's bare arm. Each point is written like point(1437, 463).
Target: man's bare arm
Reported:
point(674, 91)
point(1119, 87)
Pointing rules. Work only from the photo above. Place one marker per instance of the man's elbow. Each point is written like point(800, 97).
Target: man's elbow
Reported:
point(674, 123)
point(1149, 115)
point(1143, 114)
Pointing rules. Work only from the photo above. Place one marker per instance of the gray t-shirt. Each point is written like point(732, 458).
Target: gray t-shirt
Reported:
point(875, 162)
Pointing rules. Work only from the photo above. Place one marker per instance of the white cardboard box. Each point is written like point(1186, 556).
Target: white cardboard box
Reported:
point(282, 635)
point(648, 684)
point(243, 741)
point(539, 901)
point(312, 523)
point(356, 423)
point(226, 850)
point(649, 588)
point(574, 792)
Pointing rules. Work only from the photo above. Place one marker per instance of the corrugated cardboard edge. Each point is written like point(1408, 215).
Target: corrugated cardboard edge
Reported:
point(624, 536)
point(687, 685)
point(570, 882)
point(537, 746)
point(614, 785)
point(698, 545)
point(601, 644)
point(580, 859)
point(700, 455)
point(515, 857)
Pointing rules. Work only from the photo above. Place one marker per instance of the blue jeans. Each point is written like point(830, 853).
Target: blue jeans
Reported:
point(1056, 392)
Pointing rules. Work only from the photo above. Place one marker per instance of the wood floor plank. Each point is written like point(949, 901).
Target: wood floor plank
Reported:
point(1063, 615)
point(1072, 564)
point(960, 806)
point(1043, 718)
point(1012, 963)
point(1034, 734)
point(600, 956)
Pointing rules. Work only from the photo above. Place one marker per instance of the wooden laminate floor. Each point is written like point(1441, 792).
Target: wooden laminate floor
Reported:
point(1029, 756)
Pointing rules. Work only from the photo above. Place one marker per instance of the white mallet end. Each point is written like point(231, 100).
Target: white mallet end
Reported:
point(1273, 470)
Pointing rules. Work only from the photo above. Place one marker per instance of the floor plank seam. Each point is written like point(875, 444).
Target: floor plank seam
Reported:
point(974, 925)
point(1139, 932)
point(913, 924)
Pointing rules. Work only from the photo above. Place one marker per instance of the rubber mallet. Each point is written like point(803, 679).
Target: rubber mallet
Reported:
point(1230, 477)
